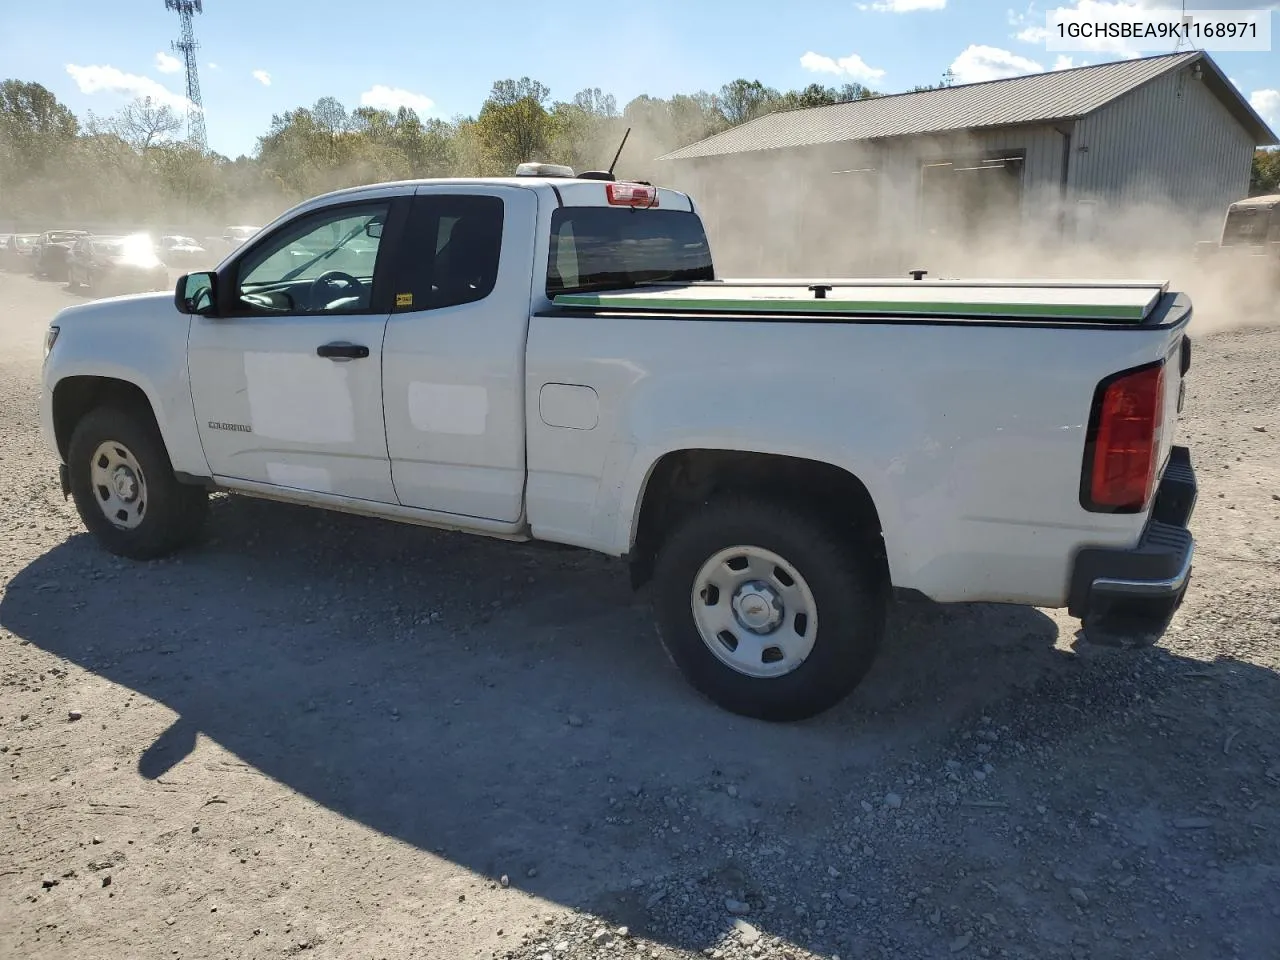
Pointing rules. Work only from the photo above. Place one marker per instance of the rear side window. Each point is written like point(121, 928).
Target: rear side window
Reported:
point(451, 252)
point(601, 248)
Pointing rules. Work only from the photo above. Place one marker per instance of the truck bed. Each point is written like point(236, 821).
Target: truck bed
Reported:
point(1101, 302)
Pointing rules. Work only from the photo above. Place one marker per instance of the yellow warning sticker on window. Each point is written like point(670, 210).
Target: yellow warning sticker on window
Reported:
point(404, 299)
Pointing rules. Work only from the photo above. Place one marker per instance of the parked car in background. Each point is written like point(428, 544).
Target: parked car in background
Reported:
point(114, 265)
point(180, 251)
point(49, 258)
point(16, 252)
point(234, 236)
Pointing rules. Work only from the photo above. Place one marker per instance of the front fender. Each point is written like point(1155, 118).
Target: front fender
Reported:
point(139, 340)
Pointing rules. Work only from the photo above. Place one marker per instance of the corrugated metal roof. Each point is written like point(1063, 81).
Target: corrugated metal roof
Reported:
point(1037, 98)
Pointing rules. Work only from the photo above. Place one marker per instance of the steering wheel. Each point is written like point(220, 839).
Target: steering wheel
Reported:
point(327, 280)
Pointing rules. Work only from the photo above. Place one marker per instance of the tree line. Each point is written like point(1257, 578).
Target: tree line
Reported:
point(132, 166)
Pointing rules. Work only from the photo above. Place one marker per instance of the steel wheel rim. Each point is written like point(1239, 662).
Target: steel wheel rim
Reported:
point(754, 611)
point(118, 484)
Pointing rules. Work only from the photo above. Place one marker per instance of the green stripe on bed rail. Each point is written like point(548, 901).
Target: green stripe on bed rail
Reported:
point(890, 307)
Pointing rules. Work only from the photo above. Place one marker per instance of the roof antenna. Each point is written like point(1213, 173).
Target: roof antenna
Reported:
point(606, 174)
point(619, 153)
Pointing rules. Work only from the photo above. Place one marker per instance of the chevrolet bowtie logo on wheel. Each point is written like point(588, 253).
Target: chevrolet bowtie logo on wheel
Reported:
point(243, 428)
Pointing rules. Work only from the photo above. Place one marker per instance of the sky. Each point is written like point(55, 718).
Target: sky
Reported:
point(263, 57)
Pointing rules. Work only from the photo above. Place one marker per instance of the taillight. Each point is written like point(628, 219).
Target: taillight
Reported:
point(631, 194)
point(1123, 441)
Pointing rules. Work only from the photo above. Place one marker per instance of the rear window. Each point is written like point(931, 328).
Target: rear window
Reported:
point(603, 248)
point(1246, 225)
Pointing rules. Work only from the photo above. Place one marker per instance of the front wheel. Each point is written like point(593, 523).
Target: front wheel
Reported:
point(124, 486)
point(767, 610)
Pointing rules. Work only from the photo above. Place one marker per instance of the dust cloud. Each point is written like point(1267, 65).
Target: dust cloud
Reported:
point(832, 212)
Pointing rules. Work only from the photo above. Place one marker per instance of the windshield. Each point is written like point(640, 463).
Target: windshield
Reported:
point(64, 237)
point(600, 248)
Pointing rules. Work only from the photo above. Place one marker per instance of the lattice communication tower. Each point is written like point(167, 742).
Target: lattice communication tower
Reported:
point(187, 46)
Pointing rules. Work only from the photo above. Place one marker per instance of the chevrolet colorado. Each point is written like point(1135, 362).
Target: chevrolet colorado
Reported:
point(550, 356)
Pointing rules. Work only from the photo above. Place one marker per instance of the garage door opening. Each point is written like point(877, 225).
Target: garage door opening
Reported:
point(964, 199)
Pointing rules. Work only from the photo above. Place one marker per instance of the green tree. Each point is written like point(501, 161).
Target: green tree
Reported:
point(1264, 177)
point(35, 127)
point(514, 125)
point(744, 100)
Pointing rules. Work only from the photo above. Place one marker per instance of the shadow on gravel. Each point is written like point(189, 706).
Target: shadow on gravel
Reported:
point(506, 706)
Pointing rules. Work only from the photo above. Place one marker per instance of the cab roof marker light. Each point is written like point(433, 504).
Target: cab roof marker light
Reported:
point(544, 170)
point(632, 195)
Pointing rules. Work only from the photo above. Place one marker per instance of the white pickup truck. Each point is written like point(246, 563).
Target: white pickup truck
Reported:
point(553, 358)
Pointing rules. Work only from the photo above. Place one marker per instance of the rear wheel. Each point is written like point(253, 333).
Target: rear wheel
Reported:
point(767, 610)
point(124, 486)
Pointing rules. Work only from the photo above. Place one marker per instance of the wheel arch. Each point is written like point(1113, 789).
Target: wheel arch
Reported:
point(680, 479)
point(75, 396)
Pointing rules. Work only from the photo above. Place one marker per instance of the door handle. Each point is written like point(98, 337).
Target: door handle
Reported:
point(342, 351)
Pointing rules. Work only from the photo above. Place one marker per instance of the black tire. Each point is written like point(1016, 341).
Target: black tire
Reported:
point(844, 573)
point(172, 513)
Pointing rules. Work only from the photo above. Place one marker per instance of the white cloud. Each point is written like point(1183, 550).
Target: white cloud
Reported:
point(851, 66)
point(262, 77)
point(393, 98)
point(104, 79)
point(167, 64)
point(1065, 63)
point(903, 6)
point(213, 66)
point(979, 62)
point(1267, 103)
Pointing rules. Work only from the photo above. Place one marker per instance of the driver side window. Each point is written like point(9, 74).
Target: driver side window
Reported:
point(324, 264)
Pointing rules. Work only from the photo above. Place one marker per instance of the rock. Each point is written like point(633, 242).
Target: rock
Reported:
point(747, 934)
point(574, 720)
point(732, 791)
point(892, 801)
point(1193, 823)
point(867, 808)
point(833, 873)
point(96, 840)
point(623, 932)
point(737, 907)
point(602, 938)
point(74, 715)
point(979, 775)
point(960, 942)
point(106, 881)
point(49, 882)
point(1260, 429)
point(848, 898)
point(1079, 896)
point(533, 872)
point(504, 881)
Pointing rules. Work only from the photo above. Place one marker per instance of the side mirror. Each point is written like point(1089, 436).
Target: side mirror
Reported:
point(373, 229)
point(196, 293)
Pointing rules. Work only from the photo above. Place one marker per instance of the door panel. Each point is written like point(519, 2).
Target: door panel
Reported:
point(453, 364)
point(271, 406)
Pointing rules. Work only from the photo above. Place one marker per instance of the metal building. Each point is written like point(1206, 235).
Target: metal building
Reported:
point(1079, 154)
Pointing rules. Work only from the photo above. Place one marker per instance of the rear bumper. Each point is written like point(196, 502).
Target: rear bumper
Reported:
point(1134, 593)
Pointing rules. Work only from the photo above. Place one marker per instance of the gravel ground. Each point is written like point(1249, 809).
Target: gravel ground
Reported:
point(327, 736)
